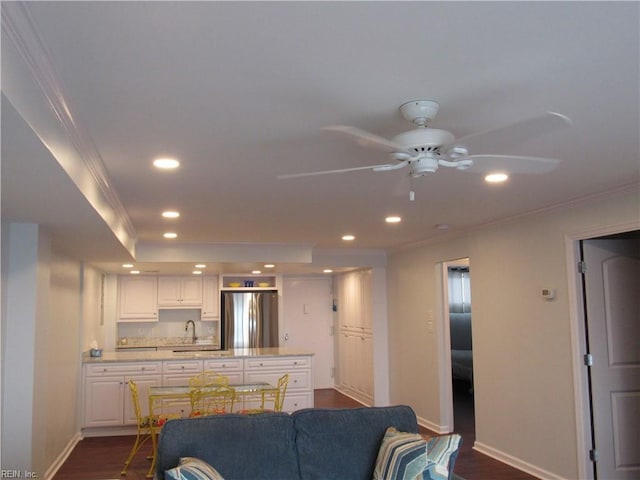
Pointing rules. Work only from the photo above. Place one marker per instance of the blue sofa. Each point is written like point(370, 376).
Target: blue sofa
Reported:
point(309, 444)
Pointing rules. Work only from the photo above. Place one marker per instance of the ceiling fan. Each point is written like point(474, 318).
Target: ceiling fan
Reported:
point(423, 150)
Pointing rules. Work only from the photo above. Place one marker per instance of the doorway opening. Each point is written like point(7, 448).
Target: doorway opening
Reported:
point(457, 315)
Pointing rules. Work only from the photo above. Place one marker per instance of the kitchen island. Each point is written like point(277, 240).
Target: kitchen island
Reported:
point(107, 400)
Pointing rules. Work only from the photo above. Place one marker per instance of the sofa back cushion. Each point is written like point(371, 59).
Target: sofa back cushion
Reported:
point(240, 447)
point(343, 443)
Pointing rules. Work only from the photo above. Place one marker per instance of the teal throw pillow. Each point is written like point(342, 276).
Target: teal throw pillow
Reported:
point(402, 456)
point(191, 468)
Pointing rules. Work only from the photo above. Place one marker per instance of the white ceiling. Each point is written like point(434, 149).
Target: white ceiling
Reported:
point(240, 92)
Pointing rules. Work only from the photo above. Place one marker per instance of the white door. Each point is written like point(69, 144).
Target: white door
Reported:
point(308, 321)
point(612, 291)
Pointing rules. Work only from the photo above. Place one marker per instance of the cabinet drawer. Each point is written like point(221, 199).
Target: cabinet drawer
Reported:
point(297, 401)
point(223, 364)
point(283, 363)
point(297, 380)
point(182, 366)
point(137, 368)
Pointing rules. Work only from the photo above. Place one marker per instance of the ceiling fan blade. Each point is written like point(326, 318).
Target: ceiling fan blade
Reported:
point(514, 134)
point(511, 164)
point(327, 172)
point(367, 139)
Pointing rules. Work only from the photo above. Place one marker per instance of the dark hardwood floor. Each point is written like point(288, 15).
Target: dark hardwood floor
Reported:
point(101, 458)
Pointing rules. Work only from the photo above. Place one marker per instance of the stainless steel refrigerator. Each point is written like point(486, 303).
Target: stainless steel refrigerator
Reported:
point(249, 319)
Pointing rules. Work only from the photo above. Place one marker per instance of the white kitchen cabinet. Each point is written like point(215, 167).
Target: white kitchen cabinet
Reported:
point(210, 298)
point(232, 368)
point(355, 360)
point(107, 397)
point(355, 338)
point(177, 292)
point(354, 301)
point(300, 387)
point(137, 298)
point(178, 372)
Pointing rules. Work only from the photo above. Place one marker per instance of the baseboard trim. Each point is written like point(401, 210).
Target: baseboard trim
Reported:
point(515, 462)
point(439, 429)
point(367, 402)
point(53, 469)
point(109, 431)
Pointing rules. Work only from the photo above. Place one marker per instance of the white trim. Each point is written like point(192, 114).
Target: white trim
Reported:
point(439, 429)
point(576, 315)
point(55, 466)
point(35, 91)
point(516, 463)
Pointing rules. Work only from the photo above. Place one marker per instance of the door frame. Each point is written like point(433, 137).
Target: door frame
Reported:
point(578, 338)
point(446, 376)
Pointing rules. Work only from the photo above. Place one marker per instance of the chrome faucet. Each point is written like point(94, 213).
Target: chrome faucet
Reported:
point(186, 329)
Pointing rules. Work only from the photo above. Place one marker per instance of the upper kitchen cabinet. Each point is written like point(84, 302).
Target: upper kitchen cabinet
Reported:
point(210, 298)
point(137, 299)
point(177, 292)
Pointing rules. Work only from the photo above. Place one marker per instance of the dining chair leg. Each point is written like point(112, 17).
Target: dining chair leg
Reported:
point(136, 446)
point(154, 449)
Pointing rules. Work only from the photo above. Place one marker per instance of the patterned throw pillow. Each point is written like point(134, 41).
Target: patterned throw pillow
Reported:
point(443, 451)
point(191, 468)
point(402, 456)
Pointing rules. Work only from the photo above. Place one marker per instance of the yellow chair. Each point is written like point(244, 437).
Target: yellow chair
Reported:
point(276, 397)
point(278, 402)
point(208, 378)
point(211, 400)
point(148, 426)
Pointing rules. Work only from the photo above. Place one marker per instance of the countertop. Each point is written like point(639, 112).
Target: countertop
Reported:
point(193, 355)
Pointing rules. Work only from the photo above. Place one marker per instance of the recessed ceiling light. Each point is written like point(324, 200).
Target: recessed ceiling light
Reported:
point(127, 265)
point(393, 219)
point(441, 226)
point(256, 272)
point(197, 272)
point(170, 214)
point(170, 235)
point(269, 265)
point(135, 272)
point(201, 265)
point(348, 238)
point(166, 163)
point(497, 177)
point(327, 270)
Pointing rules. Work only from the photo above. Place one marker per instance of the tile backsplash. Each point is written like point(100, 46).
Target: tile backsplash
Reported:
point(171, 323)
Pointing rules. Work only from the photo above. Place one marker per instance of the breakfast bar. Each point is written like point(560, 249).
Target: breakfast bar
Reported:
point(108, 409)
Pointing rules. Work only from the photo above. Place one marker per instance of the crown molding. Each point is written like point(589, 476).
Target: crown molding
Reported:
point(30, 83)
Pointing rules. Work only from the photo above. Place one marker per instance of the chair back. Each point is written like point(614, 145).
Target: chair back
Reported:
point(212, 400)
point(208, 378)
point(135, 400)
point(283, 381)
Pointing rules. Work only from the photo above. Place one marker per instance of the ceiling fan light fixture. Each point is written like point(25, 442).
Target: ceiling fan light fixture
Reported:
point(496, 177)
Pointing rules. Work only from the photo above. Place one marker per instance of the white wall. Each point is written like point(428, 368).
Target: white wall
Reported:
point(41, 354)
point(524, 386)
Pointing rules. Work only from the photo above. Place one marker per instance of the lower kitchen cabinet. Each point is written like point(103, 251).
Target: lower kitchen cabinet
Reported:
point(300, 388)
point(107, 397)
point(355, 360)
point(232, 368)
point(178, 373)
